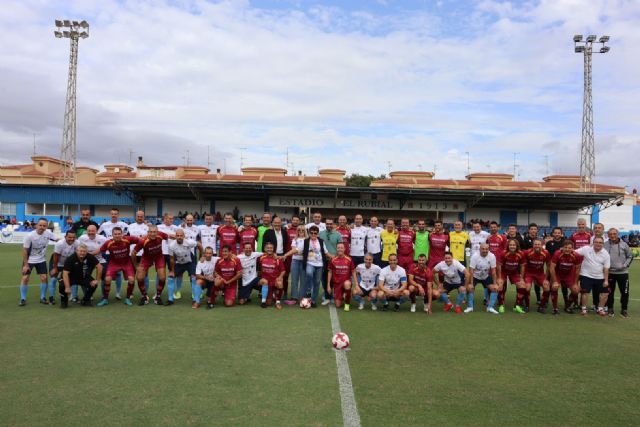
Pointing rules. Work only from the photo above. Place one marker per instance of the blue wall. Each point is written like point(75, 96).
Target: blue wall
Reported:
point(508, 217)
point(636, 214)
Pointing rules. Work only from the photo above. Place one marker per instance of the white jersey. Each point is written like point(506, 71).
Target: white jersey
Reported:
point(64, 250)
point(169, 230)
point(393, 278)
point(451, 272)
point(298, 244)
point(358, 237)
point(368, 276)
point(182, 252)
point(208, 234)
point(207, 268)
point(36, 245)
point(106, 228)
point(374, 245)
point(93, 245)
point(594, 263)
point(482, 265)
point(138, 230)
point(321, 227)
point(191, 233)
point(249, 266)
point(476, 240)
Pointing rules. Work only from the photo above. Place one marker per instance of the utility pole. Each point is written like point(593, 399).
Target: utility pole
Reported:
point(74, 31)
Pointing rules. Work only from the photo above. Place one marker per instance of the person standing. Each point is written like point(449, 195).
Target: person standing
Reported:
point(581, 237)
point(389, 239)
point(80, 226)
point(458, 242)
point(552, 246)
point(594, 272)
point(405, 245)
point(373, 241)
point(358, 240)
point(330, 238)
point(317, 221)
point(344, 229)
point(277, 236)
point(34, 248)
point(314, 260)
point(292, 232)
point(297, 272)
point(621, 259)
point(422, 241)
point(262, 228)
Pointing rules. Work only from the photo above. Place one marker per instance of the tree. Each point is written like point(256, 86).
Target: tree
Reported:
point(357, 180)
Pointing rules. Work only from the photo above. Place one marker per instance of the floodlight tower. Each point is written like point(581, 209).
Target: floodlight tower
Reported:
point(588, 152)
point(74, 31)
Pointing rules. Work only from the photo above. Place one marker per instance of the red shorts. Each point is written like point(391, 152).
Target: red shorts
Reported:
point(406, 262)
point(537, 279)
point(339, 291)
point(567, 282)
point(230, 291)
point(417, 287)
point(113, 269)
point(514, 278)
point(147, 263)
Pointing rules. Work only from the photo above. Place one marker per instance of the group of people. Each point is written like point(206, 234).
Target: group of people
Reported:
point(290, 264)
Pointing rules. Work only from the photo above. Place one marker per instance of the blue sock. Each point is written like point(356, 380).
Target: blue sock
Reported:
point(470, 297)
point(358, 298)
point(402, 300)
point(178, 284)
point(52, 286)
point(193, 287)
point(172, 285)
point(445, 298)
point(265, 292)
point(74, 291)
point(146, 284)
point(460, 298)
point(197, 290)
point(23, 292)
point(118, 283)
point(493, 298)
point(43, 290)
point(486, 294)
point(374, 301)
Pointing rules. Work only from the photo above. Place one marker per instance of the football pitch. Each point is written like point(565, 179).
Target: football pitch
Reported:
point(156, 365)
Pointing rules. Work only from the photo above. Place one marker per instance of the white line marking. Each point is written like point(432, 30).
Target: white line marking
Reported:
point(350, 416)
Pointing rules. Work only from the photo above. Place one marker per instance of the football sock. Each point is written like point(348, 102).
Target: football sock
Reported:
point(142, 287)
point(520, 296)
point(43, 290)
point(486, 293)
point(470, 298)
point(197, 290)
point(347, 297)
point(492, 299)
point(536, 288)
point(279, 292)
point(374, 301)
point(554, 299)
point(527, 298)
point(265, 292)
point(118, 282)
point(460, 298)
point(401, 300)
point(358, 298)
point(74, 291)
point(545, 298)
point(193, 284)
point(52, 286)
point(412, 297)
point(160, 287)
point(106, 287)
point(501, 295)
point(23, 292)
point(146, 284)
point(172, 285)
point(130, 286)
point(178, 284)
point(445, 298)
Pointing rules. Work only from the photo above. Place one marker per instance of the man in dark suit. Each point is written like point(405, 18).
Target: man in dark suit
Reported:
point(277, 236)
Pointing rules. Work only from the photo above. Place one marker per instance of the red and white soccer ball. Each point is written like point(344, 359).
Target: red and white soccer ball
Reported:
point(305, 303)
point(340, 341)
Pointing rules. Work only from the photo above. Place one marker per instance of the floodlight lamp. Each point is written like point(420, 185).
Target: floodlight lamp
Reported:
point(58, 34)
point(604, 39)
point(75, 24)
point(74, 34)
point(604, 49)
point(84, 24)
point(592, 38)
point(58, 23)
point(84, 34)
point(577, 38)
point(67, 23)
point(66, 34)
point(579, 49)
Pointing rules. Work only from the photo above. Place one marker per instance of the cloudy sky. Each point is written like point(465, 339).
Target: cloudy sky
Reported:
point(361, 85)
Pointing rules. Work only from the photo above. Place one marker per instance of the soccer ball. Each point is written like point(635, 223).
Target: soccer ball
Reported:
point(305, 303)
point(340, 341)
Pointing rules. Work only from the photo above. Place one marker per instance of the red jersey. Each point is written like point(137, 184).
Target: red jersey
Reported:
point(420, 276)
point(346, 238)
point(270, 268)
point(119, 252)
point(580, 239)
point(438, 245)
point(227, 268)
point(248, 235)
point(341, 269)
point(566, 265)
point(511, 263)
point(151, 248)
point(228, 235)
point(406, 239)
point(497, 245)
point(292, 233)
point(535, 262)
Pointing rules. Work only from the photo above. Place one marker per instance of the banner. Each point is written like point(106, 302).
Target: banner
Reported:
point(366, 204)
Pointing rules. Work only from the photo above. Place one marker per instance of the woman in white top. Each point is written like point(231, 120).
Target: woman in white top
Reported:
point(297, 272)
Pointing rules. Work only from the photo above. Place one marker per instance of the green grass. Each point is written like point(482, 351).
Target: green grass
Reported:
point(248, 366)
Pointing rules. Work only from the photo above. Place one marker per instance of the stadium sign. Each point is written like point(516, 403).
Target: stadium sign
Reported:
point(330, 203)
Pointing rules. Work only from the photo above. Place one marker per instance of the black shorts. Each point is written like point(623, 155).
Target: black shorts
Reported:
point(41, 268)
point(448, 287)
point(484, 282)
point(244, 291)
point(588, 283)
point(189, 268)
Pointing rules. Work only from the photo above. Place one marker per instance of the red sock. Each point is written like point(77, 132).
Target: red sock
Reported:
point(105, 292)
point(554, 299)
point(527, 297)
point(501, 295)
point(412, 297)
point(130, 289)
point(520, 296)
point(160, 287)
point(143, 291)
point(545, 298)
point(279, 293)
point(347, 296)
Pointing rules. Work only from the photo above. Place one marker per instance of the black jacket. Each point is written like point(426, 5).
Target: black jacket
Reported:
point(305, 252)
point(270, 237)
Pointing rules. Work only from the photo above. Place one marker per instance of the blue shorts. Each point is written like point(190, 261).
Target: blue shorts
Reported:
point(189, 268)
point(448, 287)
point(245, 290)
point(484, 282)
point(588, 283)
point(41, 268)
